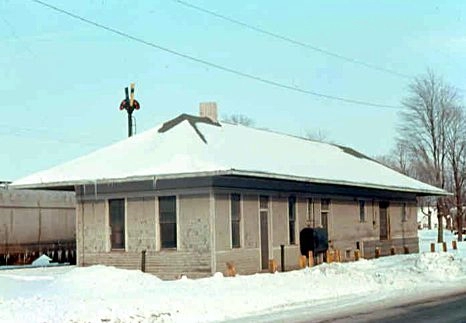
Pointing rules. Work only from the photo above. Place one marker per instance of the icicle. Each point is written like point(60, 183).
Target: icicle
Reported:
point(154, 183)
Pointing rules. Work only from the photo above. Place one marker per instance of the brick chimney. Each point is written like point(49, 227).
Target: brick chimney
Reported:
point(209, 110)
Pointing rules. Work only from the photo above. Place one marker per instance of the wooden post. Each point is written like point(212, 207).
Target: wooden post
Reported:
point(444, 246)
point(143, 261)
point(406, 250)
point(377, 252)
point(392, 250)
point(273, 266)
point(432, 247)
point(302, 262)
point(356, 254)
point(311, 259)
point(282, 254)
point(454, 245)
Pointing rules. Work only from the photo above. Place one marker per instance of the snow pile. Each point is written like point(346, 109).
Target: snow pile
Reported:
point(107, 294)
point(43, 260)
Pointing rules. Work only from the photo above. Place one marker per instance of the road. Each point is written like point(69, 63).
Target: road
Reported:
point(444, 309)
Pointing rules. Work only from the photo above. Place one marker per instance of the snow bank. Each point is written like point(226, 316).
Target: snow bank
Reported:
point(107, 294)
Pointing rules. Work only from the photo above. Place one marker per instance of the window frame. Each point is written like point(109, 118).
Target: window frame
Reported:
point(235, 222)
point(404, 213)
point(111, 223)
point(292, 220)
point(325, 211)
point(168, 244)
point(362, 211)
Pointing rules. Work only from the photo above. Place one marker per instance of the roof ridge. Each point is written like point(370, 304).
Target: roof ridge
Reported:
point(193, 120)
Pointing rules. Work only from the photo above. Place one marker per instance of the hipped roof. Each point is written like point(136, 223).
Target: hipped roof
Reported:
point(194, 146)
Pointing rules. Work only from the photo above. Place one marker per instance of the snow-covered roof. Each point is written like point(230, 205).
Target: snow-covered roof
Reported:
point(194, 146)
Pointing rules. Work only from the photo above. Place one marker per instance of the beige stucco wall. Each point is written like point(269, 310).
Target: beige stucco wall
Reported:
point(192, 256)
point(141, 224)
point(204, 232)
point(34, 217)
point(247, 257)
point(345, 228)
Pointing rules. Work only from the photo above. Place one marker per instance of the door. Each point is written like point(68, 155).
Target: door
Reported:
point(383, 220)
point(264, 239)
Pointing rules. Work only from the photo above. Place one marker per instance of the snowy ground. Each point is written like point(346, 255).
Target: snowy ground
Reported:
point(107, 294)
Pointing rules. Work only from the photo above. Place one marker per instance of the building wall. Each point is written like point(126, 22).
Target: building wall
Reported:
point(246, 258)
point(142, 232)
point(345, 228)
point(204, 231)
point(31, 219)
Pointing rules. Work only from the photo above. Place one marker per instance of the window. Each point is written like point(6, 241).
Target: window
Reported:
point(264, 202)
point(117, 223)
point(167, 219)
point(310, 222)
point(292, 218)
point(403, 213)
point(324, 211)
point(362, 211)
point(264, 230)
point(235, 220)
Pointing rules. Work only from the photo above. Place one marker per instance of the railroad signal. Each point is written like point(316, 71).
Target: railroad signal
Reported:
point(130, 104)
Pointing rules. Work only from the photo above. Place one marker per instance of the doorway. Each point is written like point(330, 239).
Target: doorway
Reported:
point(383, 220)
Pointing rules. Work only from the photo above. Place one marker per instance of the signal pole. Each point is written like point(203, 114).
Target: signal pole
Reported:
point(129, 104)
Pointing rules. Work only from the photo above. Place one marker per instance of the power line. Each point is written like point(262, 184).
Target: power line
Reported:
point(293, 41)
point(214, 65)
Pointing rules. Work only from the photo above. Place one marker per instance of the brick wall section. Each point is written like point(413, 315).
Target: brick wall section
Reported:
point(192, 256)
point(279, 221)
point(194, 223)
point(163, 264)
point(222, 222)
point(250, 221)
point(140, 224)
point(96, 229)
point(247, 261)
point(385, 245)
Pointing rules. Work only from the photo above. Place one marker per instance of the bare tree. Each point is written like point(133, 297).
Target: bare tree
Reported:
point(456, 155)
point(423, 131)
point(239, 119)
point(317, 135)
point(398, 159)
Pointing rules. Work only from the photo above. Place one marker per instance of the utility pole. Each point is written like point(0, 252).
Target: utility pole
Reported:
point(129, 104)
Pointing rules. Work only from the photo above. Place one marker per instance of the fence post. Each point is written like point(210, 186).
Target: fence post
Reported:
point(143, 261)
point(444, 246)
point(311, 259)
point(356, 254)
point(377, 252)
point(392, 250)
point(432, 247)
point(282, 254)
point(454, 245)
point(406, 249)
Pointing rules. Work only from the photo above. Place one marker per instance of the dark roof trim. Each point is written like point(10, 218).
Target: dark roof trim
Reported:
point(193, 120)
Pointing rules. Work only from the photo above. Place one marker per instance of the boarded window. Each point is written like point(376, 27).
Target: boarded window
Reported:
point(292, 219)
point(167, 219)
point(362, 211)
point(404, 217)
point(117, 223)
point(235, 220)
point(324, 211)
